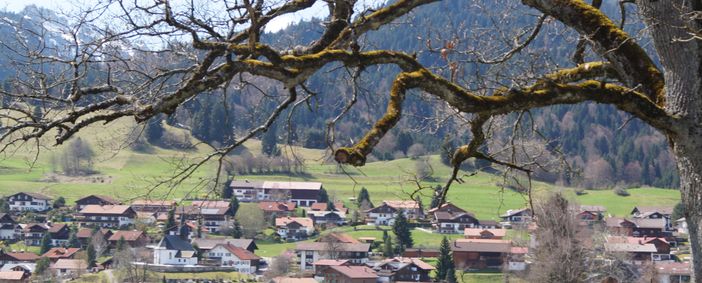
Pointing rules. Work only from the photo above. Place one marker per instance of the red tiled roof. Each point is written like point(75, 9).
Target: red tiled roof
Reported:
point(240, 253)
point(11, 275)
point(275, 206)
point(70, 264)
point(330, 262)
point(24, 256)
point(105, 209)
point(56, 227)
point(211, 203)
point(129, 236)
point(477, 232)
point(85, 233)
point(303, 221)
point(355, 272)
point(55, 253)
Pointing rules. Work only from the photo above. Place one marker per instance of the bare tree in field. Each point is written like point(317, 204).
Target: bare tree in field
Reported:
point(153, 57)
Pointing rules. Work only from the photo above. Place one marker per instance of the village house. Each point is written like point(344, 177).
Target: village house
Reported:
point(640, 248)
point(132, 239)
point(654, 212)
point(480, 253)
point(85, 235)
point(323, 206)
point(54, 254)
point(293, 280)
point(69, 268)
point(420, 252)
point(59, 234)
point(327, 217)
point(301, 193)
point(294, 228)
point(386, 213)
point(108, 216)
point(24, 267)
point(349, 274)
point(241, 259)
point(319, 266)
point(32, 233)
point(28, 201)
point(637, 227)
point(207, 244)
point(95, 200)
point(308, 253)
point(402, 269)
point(479, 233)
point(517, 217)
point(673, 272)
point(174, 250)
point(591, 213)
point(274, 209)
point(14, 276)
point(681, 226)
point(17, 257)
point(156, 206)
point(9, 229)
point(453, 222)
point(213, 217)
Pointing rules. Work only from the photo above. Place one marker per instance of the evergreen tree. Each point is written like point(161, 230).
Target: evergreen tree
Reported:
point(385, 235)
point(237, 233)
point(45, 243)
point(315, 139)
point(445, 261)
point(197, 252)
point(170, 222)
point(42, 265)
point(91, 255)
point(121, 243)
point(269, 140)
point(451, 275)
point(201, 121)
point(73, 241)
point(154, 130)
point(224, 131)
point(227, 191)
point(388, 250)
point(404, 141)
point(59, 202)
point(678, 211)
point(402, 232)
point(363, 195)
point(323, 196)
point(330, 206)
point(234, 205)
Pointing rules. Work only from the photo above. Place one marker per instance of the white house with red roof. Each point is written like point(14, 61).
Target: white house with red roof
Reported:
point(241, 259)
point(294, 228)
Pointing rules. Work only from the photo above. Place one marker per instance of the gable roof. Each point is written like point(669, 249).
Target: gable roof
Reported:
point(513, 212)
point(11, 275)
point(674, 268)
point(106, 209)
point(322, 246)
point(23, 256)
point(443, 216)
point(84, 233)
point(23, 265)
point(482, 245)
point(240, 253)
point(65, 263)
point(55, 253)
point(477, 232)
point(407, 260)
point(631, 248)
point(33, 195)
point(337, 237)
point(286, 185)
point(294, 280)
point(355, 272)
point(5, 217)
point(35, 227)
point(330, 262)
point(592, 208)
point(149, 202)
point(276, 206)
point(208, 244)
point(103, 198)
point(303, 221)
point(665, 210)
point(447, 206)
point(55, 228)
point(173, 242)
point(211, 203)
point(402, 204)
point(129, 236)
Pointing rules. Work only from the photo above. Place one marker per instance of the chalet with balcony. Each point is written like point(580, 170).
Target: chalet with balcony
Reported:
point(59, 234)
point(327, 217)
point(156, 206)
point(402, 269)
point(386, 213)
point(654, 212)
point(479, 233)
point(301, 193)
point(230, 255)
point(308, 253)
point(640, 248)
point(349, 274)
point(213, 217)
point(29, 201)
point(33, 233)
point(85, 235)
point(9, 229)
point(207, 244)
point(591, 213)
point(134, 238)
point(274, 209)
point(637, 227)
point(107, 216)
point(480, 253)
point(95, 200)
point(54, 254)
point(517, 216)
point(294, 228)
point(17, 257)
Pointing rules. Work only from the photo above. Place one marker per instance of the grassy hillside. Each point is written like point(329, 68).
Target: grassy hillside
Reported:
point(126, 174)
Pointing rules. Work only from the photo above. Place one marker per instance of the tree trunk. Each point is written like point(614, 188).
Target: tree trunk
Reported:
point(681, 58)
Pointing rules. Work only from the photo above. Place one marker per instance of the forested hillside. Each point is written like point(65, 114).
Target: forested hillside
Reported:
point(604, 146)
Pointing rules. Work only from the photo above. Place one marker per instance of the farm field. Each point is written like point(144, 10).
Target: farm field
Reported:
point(126, 174)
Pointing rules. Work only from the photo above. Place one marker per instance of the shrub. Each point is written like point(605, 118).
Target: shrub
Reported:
point(621, 191)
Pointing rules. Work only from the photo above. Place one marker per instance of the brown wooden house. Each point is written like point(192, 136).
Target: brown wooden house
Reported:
point(480, 253)
point(95, 200)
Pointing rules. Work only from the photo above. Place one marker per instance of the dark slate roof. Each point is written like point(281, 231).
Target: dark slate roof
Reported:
point(173, 242)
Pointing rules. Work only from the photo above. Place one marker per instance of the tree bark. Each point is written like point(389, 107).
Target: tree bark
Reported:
point(670, 24)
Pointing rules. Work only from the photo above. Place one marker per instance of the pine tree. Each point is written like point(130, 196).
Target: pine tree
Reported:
point(323, 197)
point(234, 205)
point(121, 243)
point(45, 243)
point(91, 255)
point(402, 232)
point(170, 222)
point(445, 260)
point(237, 233)
point(388, 250)
point(73, 241)
point(154, 131)
point(451, 275)
point(363, 195)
